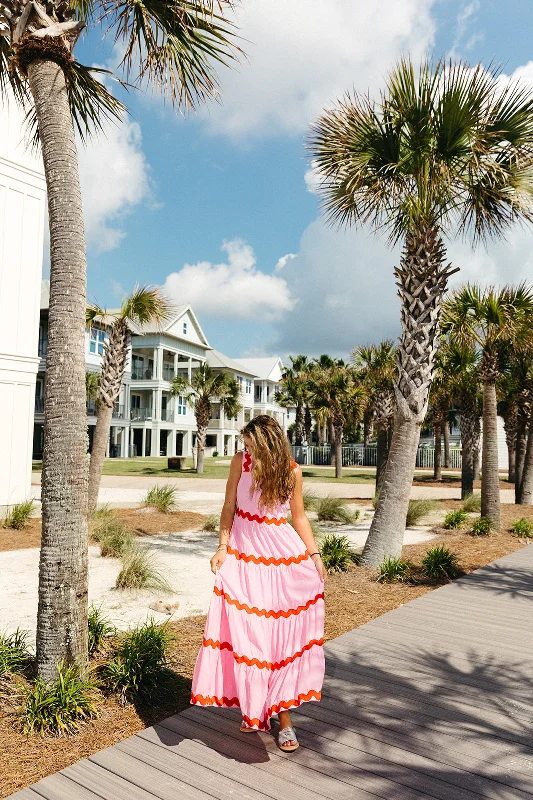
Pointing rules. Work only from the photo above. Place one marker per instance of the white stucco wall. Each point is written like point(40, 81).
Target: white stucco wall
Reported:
point(22, 204)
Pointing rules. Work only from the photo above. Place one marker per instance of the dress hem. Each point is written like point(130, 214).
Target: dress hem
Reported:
point(254, 722)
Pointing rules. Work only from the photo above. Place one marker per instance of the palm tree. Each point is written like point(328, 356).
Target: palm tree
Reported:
point(338, 390)
point(448, 146)
point(173, 46)
point(376, 365)
point(204, 388)
point(144, 305)
point(91, 386)
point(293, 393)
point(494, 321)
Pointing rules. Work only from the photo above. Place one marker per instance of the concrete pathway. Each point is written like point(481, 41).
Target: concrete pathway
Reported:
point(432, 700)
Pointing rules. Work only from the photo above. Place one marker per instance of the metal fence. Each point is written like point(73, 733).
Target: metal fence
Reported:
point(356, 455)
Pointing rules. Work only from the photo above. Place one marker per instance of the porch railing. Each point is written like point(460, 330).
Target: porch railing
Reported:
point(356, 455)
point(167, 415)
point(140, 414)
point(142, 374)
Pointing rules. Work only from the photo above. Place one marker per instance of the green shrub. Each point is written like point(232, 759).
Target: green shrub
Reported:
point(14, 653)
point(522, 527)
point(472, 503)
point(104, 512)
point(17, 516)
point(439, 563)
point(310, 501)
point(59, 707)
point(337, 553)
point(215, 453)
point(114, 538)
point(482, 527)
point(394, 569)
point(211, 523)
point(417, 510)
point(100, 629)
point(139, 571)
point(333, 509)
point(140, 656)
point(455, 519)
point(163, 498)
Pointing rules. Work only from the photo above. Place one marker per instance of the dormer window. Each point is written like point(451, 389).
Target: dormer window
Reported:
point(185, 329)
point(97, 340)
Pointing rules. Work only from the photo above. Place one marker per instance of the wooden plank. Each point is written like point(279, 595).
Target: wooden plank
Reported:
point(162, 785)
point(25, 794)
point(59, 787)
point(104, 783)
point(330, 778)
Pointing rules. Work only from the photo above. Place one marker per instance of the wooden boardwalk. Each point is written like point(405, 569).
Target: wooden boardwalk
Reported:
point(432, 700)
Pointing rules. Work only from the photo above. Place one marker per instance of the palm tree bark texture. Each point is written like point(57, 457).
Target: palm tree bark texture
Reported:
point(467, 421)
point(422, 281)
point(490, 487)
point(62, 608)
point(112, 373)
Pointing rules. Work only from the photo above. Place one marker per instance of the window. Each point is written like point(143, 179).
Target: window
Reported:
point(248, 386)
point(96, 344)
point(182, 406)
point(239, 381)
point(185, 329)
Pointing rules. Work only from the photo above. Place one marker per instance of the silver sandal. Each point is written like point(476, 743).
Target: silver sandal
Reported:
point(287, 735)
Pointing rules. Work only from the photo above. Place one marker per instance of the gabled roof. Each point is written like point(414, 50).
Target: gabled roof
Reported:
point(262, 367)
point(179, 312)
point(218, 360)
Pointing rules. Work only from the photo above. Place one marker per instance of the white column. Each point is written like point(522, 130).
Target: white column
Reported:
point(144, 443)
point(159, 370)
point(155, 409)
point(175, 364)
point(189, 368)
point(22, 203)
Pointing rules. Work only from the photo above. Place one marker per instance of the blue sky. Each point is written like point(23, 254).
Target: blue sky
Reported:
point(163, 191)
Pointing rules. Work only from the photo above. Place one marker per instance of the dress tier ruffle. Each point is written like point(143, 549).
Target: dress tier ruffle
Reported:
point(263, 642)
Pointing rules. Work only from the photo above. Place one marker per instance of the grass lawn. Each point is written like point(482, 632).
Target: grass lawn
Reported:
point(213, 468)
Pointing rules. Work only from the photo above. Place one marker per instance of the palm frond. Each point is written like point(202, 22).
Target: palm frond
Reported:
point(147, 304)
point(174, 45)
point(94, 313)
point(91, 103)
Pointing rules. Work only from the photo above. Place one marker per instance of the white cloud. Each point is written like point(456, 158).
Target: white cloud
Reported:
point(283, 261)
point(465, 19)
point(114, 178)
point(302, 55)
point(312, 178)
point(235, 289)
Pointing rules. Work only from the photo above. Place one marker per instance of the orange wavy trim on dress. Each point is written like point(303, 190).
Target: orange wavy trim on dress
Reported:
point(246, 461)
point(254, 662)
point(199, 699)
point(256, 518)
point(262, 612)
point(268, 561)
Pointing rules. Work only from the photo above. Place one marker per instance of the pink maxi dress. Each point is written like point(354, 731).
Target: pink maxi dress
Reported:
point(263, 642)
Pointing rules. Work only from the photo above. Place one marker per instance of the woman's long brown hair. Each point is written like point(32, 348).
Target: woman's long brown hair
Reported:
point(272, 464)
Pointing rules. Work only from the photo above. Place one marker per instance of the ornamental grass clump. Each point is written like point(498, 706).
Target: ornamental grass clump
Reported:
point(472, 503)
point(440, 563)
point(310, 501)
point(139, 659)
point(482, 527)
point(522, 527)
point(100, 629)
point(417, 510)
point(14, 652)
point(211, 523)
point(139, 571)
point(337, 553)
point(392, 570)
point(18, 515)
point(114, 538)
point(334, 509)
point(59, 707)
point(162, 498)
point(455, 519)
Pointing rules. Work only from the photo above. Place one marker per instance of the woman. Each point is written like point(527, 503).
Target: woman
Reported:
point(262, 647)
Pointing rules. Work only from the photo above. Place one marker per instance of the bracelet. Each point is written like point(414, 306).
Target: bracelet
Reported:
point(222, 546)
point(313, 554)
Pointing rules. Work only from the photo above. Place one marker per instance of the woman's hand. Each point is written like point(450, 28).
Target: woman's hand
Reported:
point(320, 568)
point(217, 560)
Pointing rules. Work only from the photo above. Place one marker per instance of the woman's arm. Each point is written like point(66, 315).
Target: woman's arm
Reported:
point(228, 511)
point(301, 524)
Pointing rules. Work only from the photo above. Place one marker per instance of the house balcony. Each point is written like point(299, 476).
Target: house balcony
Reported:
point(168, 372)
point(167, 415)
point(140, 414)
point(142, 374)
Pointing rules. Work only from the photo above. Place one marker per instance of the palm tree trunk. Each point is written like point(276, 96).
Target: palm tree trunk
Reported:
point(521, 446)
point(339, 431)
point(62, 607)
point(526, 483)
point(308, 424)
point(200, 448)
point(446, 431)
point(476, 445)
point(467, 468)
point(299, 425)
point(511, 453)
point(391, 511)
point(332, 457)
point(437, 462)
point(382, 453)
point(490, 483)
point(100, 442)
point(422, 280)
